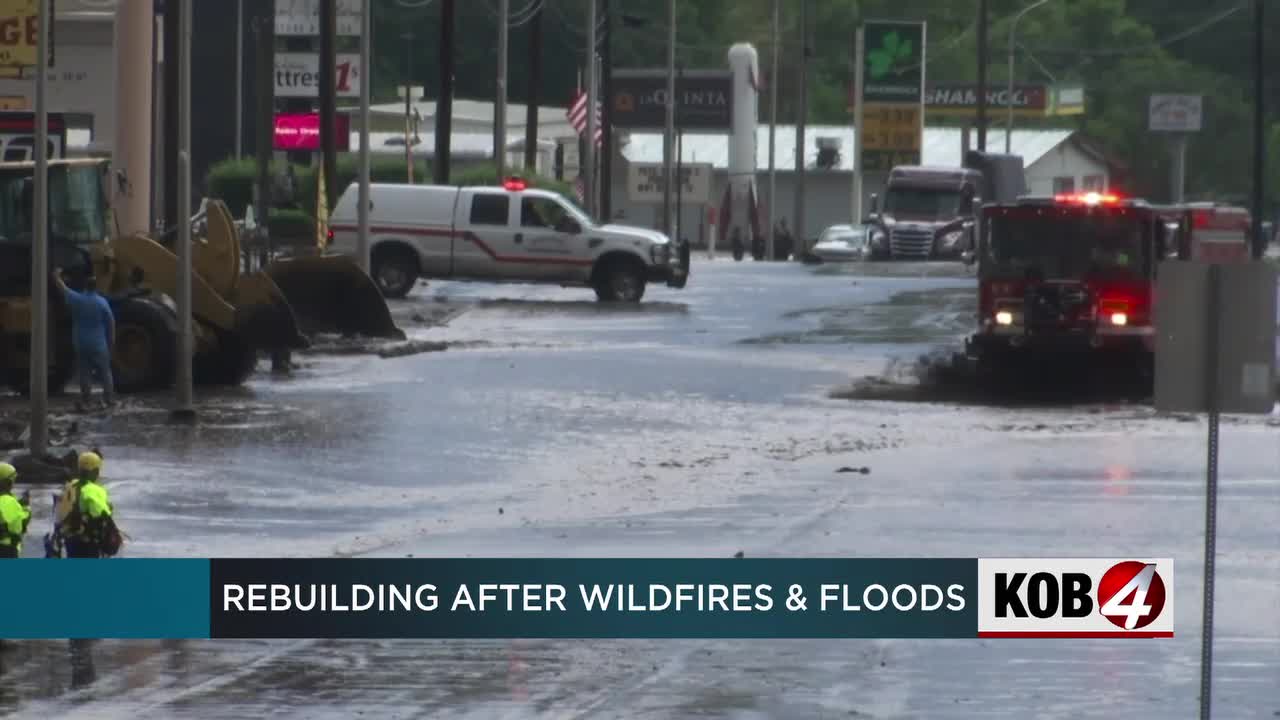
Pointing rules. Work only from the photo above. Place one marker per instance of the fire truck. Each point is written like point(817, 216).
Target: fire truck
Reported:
point(1075, 274)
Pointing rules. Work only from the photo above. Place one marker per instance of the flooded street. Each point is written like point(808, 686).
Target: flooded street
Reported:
point(703, 423)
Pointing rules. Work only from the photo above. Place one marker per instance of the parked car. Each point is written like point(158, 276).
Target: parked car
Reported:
point(841, 243)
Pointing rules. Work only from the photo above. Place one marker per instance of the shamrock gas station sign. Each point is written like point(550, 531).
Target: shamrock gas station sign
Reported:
point(892, 93)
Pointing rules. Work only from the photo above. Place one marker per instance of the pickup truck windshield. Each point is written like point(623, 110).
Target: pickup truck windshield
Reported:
point(922, 203)
point(1068, 243)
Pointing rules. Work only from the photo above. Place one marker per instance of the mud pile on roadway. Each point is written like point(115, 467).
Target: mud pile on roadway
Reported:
point(60, 461)
point(944, 376)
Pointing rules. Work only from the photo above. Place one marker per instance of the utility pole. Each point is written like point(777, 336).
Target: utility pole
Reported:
point(183, 409)
point(535, 82)
point(1259, 142)
point(983, 18)
point(606, 114)
point(408, 99)
point(444, 103)
point(38, 441)
point(773, 129)
point(1179, 167)
point(239, 79)
point(362, 212)
point(173, 10)
point(668, 135)
point(802, 111)
point(328, 97)
point(589, 145)
point(500, 107)
point(264, 33)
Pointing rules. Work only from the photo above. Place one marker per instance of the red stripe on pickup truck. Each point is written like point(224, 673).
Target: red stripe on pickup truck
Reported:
point(467, 235)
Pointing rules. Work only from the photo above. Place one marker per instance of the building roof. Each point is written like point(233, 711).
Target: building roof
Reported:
point(941, 146)
point(477, 111)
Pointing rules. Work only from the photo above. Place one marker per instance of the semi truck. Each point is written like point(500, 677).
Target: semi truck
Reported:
point(931, 212)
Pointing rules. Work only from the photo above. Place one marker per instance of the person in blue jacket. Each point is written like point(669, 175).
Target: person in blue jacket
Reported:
point(93, 328)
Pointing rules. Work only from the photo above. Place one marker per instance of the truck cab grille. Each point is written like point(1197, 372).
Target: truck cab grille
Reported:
point(912, 243)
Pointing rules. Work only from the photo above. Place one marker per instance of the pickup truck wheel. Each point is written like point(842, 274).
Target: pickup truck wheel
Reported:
point(395, 270)
point(620, 281)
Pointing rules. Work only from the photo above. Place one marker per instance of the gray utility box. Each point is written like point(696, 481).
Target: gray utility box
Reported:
point(1240, 324)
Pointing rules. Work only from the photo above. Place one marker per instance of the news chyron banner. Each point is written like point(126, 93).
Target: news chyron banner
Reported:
point(588, 598)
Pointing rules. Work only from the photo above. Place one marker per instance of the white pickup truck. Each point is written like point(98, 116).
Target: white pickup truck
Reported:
point(501, 234)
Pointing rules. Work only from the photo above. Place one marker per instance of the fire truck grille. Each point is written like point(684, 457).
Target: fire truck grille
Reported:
point(911, 243)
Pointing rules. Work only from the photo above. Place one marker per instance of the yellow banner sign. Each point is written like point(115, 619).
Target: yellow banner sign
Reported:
point(20, 33)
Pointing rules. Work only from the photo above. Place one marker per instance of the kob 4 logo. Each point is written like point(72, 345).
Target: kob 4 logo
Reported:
point(1075, 598)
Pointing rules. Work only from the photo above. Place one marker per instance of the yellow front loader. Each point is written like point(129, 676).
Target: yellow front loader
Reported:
point(236, 315)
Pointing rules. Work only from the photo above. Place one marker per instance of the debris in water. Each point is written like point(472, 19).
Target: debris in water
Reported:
point(859, 470)
point(500, 511)
point(414, 347)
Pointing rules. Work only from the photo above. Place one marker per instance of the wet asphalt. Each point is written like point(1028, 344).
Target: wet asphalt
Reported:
point(705, 422)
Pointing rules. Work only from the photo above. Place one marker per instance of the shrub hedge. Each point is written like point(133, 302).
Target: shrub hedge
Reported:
point(232, 181)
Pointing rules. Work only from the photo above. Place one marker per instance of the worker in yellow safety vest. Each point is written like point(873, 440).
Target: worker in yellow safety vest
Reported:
point(84, 513)
point(15, 514)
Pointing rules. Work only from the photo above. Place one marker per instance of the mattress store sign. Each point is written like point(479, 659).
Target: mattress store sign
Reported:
point(298, 75)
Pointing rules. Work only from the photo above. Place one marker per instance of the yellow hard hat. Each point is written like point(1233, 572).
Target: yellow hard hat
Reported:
point(7, 472)
point(90, 461)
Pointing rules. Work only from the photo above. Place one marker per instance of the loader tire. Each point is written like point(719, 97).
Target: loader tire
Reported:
point(145, 356)
point(230, 364)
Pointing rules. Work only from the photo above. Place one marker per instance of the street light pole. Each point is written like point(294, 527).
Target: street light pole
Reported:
point(1013, 29)
point(1259, 145)
point(773, 129)
point(589, 145)
point(500, 107)
point(183, 409)
point(669, 132)
point(362, 213)
point(39, 438)
point(408, 99)
point(239, 79)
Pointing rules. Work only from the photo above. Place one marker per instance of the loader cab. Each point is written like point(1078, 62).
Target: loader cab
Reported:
point(78, 219)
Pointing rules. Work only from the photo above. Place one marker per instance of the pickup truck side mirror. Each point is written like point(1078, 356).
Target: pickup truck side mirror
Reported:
point(568, 225)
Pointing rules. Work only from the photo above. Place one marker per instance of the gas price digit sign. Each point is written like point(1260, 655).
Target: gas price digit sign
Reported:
point(890, 135)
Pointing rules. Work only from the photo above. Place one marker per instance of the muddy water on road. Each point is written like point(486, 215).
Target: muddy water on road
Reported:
point(553, 426)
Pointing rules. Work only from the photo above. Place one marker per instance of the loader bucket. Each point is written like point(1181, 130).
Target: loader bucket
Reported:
point(264, 317)
point(331, 294)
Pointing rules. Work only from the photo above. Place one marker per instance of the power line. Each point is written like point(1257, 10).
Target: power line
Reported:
point(1176, 37)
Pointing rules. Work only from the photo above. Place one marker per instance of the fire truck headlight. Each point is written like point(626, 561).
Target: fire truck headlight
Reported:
point(1004, 317)
point(1119, 319)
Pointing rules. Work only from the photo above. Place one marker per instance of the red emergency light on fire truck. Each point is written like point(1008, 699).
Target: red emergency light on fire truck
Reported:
point(1076, 273)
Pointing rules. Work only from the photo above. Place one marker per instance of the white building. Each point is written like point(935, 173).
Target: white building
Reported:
point(1055, 162)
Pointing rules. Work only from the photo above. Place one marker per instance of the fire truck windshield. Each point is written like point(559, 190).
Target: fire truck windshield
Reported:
point(921, 203)
point(1068, 243)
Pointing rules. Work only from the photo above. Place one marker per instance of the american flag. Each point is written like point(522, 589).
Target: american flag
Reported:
point(578, 117)
point(579, 189)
